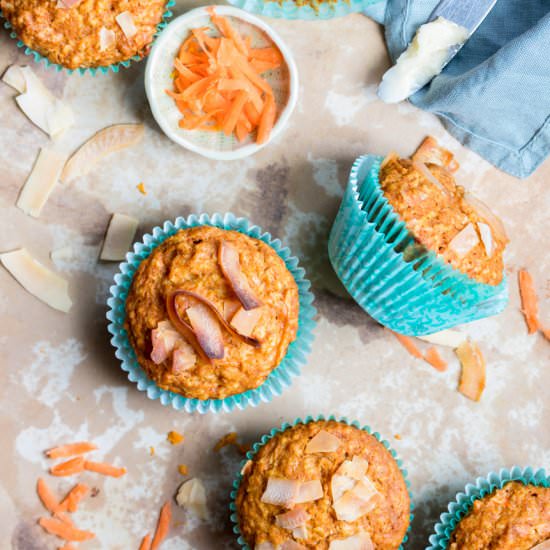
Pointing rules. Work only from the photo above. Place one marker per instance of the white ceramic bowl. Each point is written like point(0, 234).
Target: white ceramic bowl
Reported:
point(215, 145)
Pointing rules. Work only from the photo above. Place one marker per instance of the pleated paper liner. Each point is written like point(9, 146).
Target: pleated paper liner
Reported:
point(265, 438)
point(404, 286)
point(279, 378)
point(311, 12)
point(115, 67)
point(482, 487)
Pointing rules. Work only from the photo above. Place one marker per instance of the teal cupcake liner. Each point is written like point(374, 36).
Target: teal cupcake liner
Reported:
point(482, 487)
point(279, 378)
point(115, 67)
point(265, 438)
point(404, 286)
point(287, 9)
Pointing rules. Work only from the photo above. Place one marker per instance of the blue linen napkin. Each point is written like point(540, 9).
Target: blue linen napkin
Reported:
point(494, 96)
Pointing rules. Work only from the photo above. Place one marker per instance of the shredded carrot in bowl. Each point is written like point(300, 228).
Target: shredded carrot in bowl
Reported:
point(218, 85)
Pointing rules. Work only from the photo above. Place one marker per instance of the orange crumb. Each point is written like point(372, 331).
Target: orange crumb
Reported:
point(435, 360)
point(529, 302)
point(71, 449)
point(183, 470)
point(152, 451)
point(104, 469)
point(141, 188)
point(56, 527)
point(163, 525)
point(175, 438)
point(408, 343)
point(68, 468)
point(227, 439)
point(397, 436)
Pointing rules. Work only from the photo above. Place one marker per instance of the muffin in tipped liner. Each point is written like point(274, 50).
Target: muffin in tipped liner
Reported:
point(416, 251)
point(325, 485)
point(210, 313)
point(86, 33)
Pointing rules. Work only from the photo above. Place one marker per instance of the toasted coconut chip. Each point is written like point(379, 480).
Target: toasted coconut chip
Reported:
point(45, 110)
point(483, 211)
point(464, 241)
point(300, 532)
point(107, 38)
point(13, 76)
point(529, 300)
point(265, 546)
point(192, 496)
point(542, 546)
point(41, 182)
point(486, 238)
point(431, 152)
point(292, 545)
point(425, 171)
point(246, 468)
point(164, 339)
point(207, 330)
point(472, 378)
point(228, 258)
point(282, 492)
point(119, 237)
point(392, 155)
point(292, 519)
point(351, 507)
point(184, 357)
point(449, 337)
point(106, 141)
point(340, 485)
point(309, 491)
point(356, 468)
point(323, 442)
point(69, 3)
point(244, 322)
point(126, 23)
point(230, 307)
point(37, 279)
point(361, 541)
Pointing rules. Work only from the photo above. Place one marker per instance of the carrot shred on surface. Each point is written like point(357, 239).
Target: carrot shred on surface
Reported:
point(68, 546)
point(409, 345)
point(74, 496)
point(529, 301)
point(435, 360)
point(55, 526)
point(71, 449)
point(47, 497)
point(217, 84)
point(68, 468)
point(104, 469)
point(163, 525)
point(145, 542)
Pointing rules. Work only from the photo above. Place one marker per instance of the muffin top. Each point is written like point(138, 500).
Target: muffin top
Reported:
point(321, 485)
point(89, 33)
point(516, 517)
point(207, 326)
point(441, 216)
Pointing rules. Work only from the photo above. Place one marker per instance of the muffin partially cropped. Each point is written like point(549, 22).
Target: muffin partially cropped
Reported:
point(441, 215)
point(85, 33)
point(322, 485)
point(211, 313)
point(515, 517)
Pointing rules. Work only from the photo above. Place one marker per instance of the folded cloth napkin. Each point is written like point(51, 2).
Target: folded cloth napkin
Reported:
point(494, 96)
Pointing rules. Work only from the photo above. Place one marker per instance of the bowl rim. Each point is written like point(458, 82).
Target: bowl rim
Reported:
point(153, 60)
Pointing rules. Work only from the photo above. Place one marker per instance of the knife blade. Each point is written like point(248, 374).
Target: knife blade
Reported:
point(466, 13)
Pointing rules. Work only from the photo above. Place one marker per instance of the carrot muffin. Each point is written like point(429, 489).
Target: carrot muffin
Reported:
point(516, 517)
point(323, 485)
point(441, 215)
point(210, 313)
point(85, 33)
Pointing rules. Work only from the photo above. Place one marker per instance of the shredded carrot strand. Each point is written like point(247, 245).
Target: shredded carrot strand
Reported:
point(163, 525)
point(67, 546)
point(46, 496)
point(145, 542)
point(435, 360)
point(56, 527)
point(74, 496)
point(408, 344)
point(68, 468)
point(71, 449)
point(529, 301)
point(104, 469)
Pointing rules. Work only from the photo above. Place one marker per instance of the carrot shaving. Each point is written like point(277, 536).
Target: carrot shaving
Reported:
point(56, 527)
point(163, 525)
point(529, 301)
point(71, 449)
point(145, 542)
point(67, 546)
point(104, 469)
point(46, 496)
point(74, 496)
point(217, 84)
point(409, 345)
point(435, 360)
point(68, 468)
point(175, 438)
point(546, 333)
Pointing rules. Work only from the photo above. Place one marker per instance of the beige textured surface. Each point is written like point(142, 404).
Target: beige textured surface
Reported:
point(59, 379)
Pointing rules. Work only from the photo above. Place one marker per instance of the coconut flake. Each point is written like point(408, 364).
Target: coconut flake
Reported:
point(126, 23)
point(45, 110)
point(542, 546)
point(192, 496)
point(107, 38)
point(426, 172)
point(245, 321)
point(340, 485)
point(483, 211)
point(164, 339)
point(323, 442)
point(280, 491)
point(292, 519)
point(472, 377)
point(184, 357)
point(449, 337)
point(207, 330)
point(40, 183)
point(292, 545)
point(464, 241)
point(246, 467)
point(119, 237)
point(486, 237)
point(265, 546)
point(37, 279)
point(230, 307)
point(67, 3)
point(356, 468)
point(13, 76)
point(300, 532)
point(309, 491)
point(106, 141)
point(360, 541)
